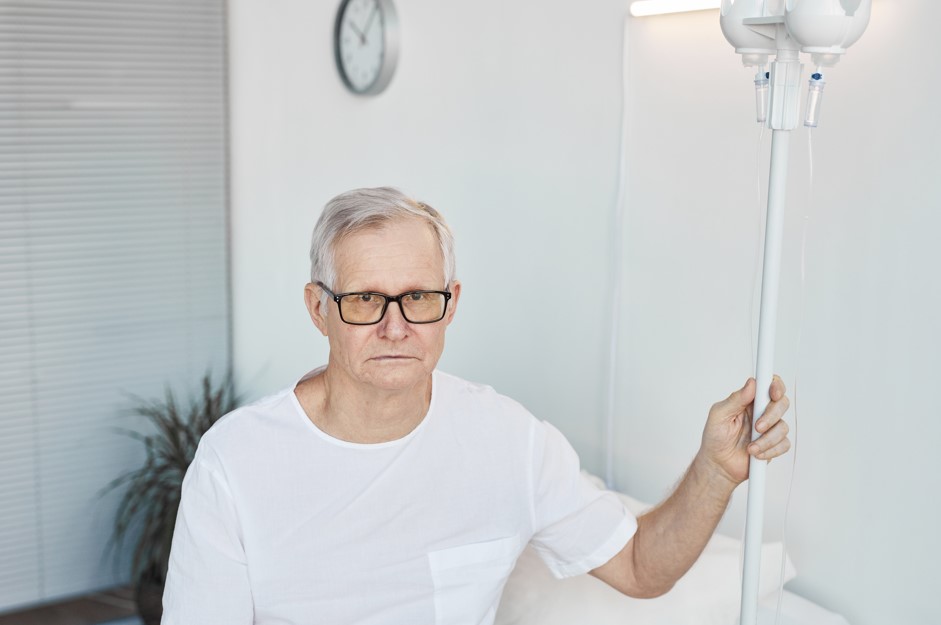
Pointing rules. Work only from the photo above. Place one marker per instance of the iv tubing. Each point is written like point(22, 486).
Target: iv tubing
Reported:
point(759, 229)
point(800, 334)
point(617, 240)
point(766, 334)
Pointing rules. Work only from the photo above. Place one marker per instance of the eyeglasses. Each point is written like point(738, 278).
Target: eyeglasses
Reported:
point(367, 308)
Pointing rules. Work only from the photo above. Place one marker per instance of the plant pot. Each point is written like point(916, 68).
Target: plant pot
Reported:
point(148, 594)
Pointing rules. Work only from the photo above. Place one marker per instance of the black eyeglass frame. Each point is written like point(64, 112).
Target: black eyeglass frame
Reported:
point(386, 299)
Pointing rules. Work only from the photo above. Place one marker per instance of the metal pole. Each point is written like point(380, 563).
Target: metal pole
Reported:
point(767, 326)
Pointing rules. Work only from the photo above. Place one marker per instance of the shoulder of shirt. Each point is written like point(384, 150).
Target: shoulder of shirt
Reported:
point(483, 395)
point(241, 425)
point(506, 408)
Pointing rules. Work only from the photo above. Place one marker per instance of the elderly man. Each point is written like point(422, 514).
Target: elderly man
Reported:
point(379, 490)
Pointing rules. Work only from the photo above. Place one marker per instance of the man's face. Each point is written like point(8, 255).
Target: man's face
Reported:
point(392, 354)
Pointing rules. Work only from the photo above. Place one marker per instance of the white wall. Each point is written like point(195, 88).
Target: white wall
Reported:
point(506, 116)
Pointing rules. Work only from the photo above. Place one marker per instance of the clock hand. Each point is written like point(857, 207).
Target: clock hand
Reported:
point(362, 36)
point(375, 7)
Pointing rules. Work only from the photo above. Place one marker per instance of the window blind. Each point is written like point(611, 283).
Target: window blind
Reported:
point(113, 260)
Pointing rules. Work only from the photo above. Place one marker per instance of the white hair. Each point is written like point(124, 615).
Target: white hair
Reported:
point(364, 209)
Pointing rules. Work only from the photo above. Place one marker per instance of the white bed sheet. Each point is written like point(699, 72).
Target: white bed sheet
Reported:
point(709, 594)
point(533, 597)
point(796, 610)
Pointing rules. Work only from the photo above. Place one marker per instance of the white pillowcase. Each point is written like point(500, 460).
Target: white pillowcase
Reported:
point(709, 593)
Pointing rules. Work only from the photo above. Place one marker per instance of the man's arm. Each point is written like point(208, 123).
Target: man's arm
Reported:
point(671, 537)
point(207, 582)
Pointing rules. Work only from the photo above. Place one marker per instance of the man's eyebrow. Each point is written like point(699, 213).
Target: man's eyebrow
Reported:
point(408, 289)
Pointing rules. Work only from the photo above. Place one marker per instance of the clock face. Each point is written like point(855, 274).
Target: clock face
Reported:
point(365, 44)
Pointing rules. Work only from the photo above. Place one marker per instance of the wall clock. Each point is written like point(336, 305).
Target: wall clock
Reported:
point(366, 44)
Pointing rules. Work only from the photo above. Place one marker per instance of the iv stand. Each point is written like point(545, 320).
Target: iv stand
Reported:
point(758, 28)
point(782, 118)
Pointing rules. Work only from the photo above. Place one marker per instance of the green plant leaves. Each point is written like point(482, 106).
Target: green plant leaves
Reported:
point(149, 506)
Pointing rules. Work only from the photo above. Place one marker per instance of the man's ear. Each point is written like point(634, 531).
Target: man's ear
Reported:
point(452, 304)
point(312, 298)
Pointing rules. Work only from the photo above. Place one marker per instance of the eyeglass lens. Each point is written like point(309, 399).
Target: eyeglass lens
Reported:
point(416, 307)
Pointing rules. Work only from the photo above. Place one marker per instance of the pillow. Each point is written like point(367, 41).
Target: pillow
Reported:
point(709, 593)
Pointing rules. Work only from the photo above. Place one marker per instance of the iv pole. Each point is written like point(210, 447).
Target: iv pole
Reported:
point(782, 118)
point(758, 28)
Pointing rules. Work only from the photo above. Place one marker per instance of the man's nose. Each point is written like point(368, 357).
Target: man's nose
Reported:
point(393, 325)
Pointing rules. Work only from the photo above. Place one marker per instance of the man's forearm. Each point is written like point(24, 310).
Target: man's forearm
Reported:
point(671, 537)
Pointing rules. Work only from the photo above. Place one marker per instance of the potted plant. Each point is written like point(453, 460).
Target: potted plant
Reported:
point(147, 511)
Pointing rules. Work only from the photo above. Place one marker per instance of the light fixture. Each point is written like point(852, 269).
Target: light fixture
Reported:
point(642, 8)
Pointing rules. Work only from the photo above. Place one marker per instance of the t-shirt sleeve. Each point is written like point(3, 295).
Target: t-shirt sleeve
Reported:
point(578, 527)
point(207, 581)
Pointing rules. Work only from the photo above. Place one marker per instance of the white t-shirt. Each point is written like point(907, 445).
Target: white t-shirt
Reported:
point(282, 524)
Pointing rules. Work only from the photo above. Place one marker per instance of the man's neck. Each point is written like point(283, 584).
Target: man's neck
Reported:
point(357, 413)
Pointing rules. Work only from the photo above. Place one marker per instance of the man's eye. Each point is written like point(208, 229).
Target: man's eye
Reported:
point(416, 297)
point(366, 297)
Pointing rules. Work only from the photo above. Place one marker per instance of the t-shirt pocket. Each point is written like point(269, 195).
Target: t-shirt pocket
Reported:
point(468, 579)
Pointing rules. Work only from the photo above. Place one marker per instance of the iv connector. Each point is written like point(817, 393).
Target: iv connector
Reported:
point(762, 91)
point(814, 97)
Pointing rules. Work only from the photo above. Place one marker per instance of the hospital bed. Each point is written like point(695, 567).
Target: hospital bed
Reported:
point(709, 594)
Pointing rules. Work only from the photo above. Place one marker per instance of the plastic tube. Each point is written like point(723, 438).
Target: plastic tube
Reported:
point(617, 239)
point(756, 271)
point(800, 334)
